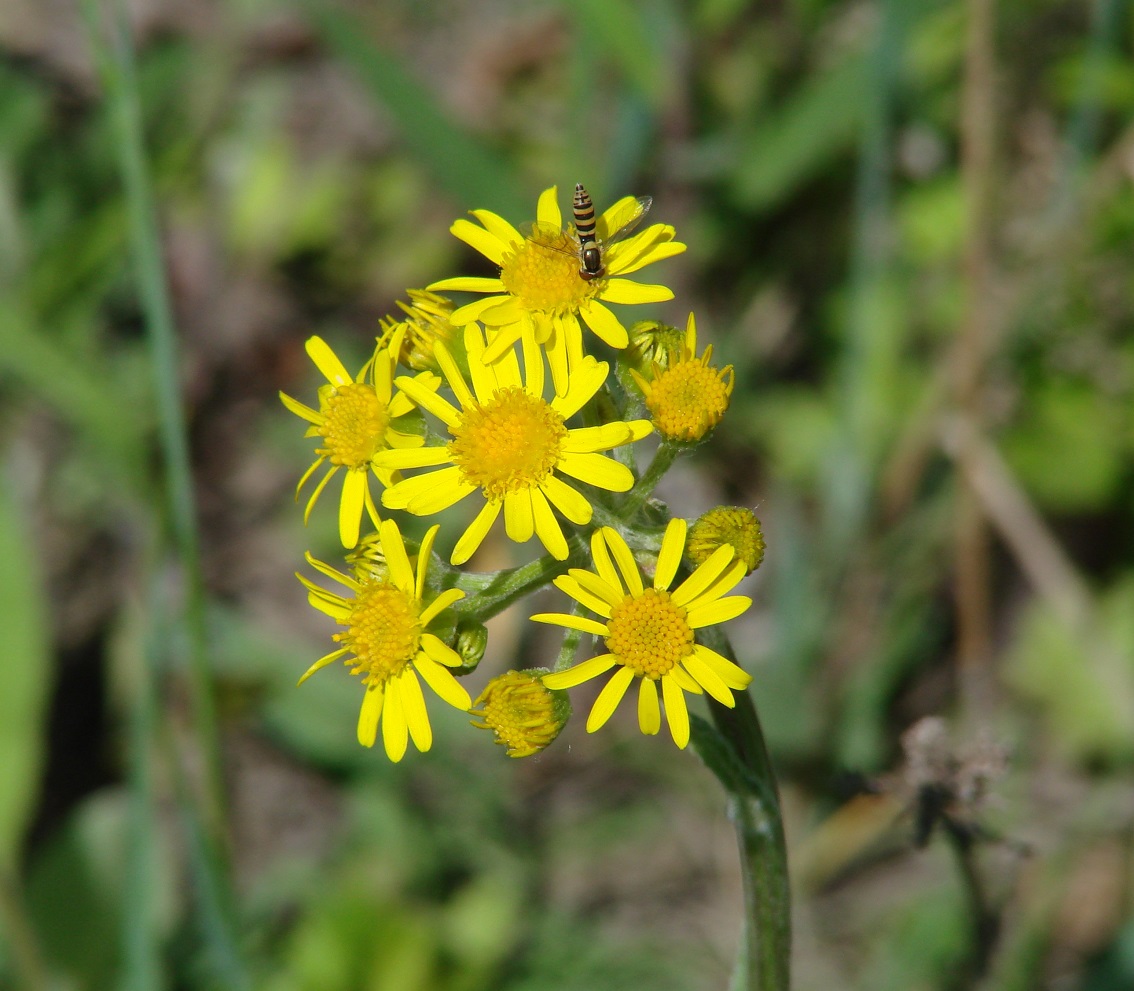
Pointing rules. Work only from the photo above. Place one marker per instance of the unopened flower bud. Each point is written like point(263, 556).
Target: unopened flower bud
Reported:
point(732, 525)
point(524, 715)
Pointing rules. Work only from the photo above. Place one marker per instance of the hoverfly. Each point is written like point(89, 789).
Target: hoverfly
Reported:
point(586, 245)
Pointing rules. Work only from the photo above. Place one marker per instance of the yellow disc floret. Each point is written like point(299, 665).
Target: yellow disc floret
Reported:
point(649, 634)
point(513, 441)
point(384, 632)
point(544, 273)
point(354, 426)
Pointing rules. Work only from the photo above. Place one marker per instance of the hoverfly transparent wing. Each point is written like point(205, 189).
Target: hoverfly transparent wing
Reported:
point(626, 215)
point(551, 237)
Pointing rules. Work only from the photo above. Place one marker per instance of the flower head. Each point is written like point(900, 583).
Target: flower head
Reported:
point(512, 446)
point(386, 642)
point(732, 525)
point(650, 631)
point(354, 421)
point(539, 285)
point(689, 397)
point(426, 322)
point(521, 711)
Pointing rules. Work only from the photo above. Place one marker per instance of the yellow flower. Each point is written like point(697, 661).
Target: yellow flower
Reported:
point(649, 632)
point(733, 525)
point(426, 322)
point(689, 397)
point(354, 422)
point(522, 712)
point(539, 285)
point(386, 642)
point(512, 445)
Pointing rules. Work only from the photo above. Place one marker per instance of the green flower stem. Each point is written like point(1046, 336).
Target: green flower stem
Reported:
point(645, 485)
point(735, 751)
point(490, 594)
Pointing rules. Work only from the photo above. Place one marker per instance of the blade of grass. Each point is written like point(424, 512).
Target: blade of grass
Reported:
point(203, 815)
point(116, 67)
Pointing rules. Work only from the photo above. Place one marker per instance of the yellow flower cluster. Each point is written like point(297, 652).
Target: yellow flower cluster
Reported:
point(501, 404)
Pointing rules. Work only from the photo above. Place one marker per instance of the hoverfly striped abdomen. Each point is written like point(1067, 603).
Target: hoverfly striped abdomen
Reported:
point(590, 254)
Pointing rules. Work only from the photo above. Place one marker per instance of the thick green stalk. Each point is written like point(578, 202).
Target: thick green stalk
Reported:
point(734, 749)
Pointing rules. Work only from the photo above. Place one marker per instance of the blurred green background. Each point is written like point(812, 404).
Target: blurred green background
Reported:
point(910, 229)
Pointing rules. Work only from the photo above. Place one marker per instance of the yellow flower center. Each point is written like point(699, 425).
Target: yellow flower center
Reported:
point(649, 634)
point(384, 632)
point(688, 399)
point(544, 273)
point(354, 425)
point(520, 712)
point(512, 442)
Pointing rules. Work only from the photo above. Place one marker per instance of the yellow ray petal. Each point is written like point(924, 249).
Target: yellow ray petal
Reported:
point(547, 527)
point(704, 577)
point(624, 558)
point(519, 523)
point(587, 377)
point(395, 732)
point(708, 679)
point(600, 554)
point(323, 661)
point(570, 503)
point(594, 603)
point(501, 339)
point(676, 713)
point(441, 680)
point(497, 225)
point(718, 611)
point(598, 470)
point(350, 507)
point(423, 553)
point(452, 371)
point(649, 712)
point(629, 292)
point(609, 698)
point(438, 606)
point(572, 622)
point(605, 324)
point(484, 241)
point(428, 400)
point(327, 362)
point(468, 283)
point(299, 409)
point(547, 209)
point(584, 671)
point(586, 440)
point(669, 558)
point(397, 560)
point(596, 586)
point(322, 484)
point(731, 674)
point(413, 457)
point(413, 702)
point(470, 311)
point(475, 533)
point(368, 716)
